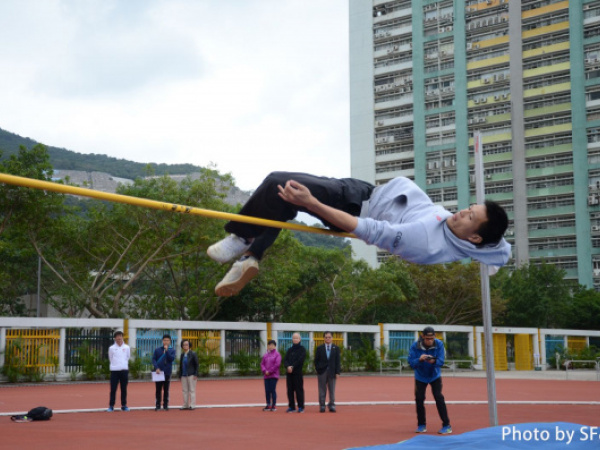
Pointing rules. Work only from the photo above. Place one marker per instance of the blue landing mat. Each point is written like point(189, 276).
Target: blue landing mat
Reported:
point(542, 436)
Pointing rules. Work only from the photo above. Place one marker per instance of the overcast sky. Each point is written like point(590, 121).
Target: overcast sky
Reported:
point(249, 86)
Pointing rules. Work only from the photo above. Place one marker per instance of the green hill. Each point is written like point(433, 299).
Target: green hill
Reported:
point(64, 159)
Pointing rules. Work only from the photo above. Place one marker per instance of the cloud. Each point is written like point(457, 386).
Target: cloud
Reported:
point(250, 85)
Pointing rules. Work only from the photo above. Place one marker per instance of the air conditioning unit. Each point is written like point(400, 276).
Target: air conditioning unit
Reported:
point(486, 81)
point(496, 97)
point(597, 272)
point(384, 139)
point(488, 177)
point(446, 163)
point(592, 200)
point(380, 122)
point(483, 100)
point(481, 119)
point(449, 28)
point(430, 165)
point(470, 121)
point(429, 181)
point(469, 46)
point(453, 163)
point(476, 100)
point(595, 228)
point(436, 164)
point(505, 96)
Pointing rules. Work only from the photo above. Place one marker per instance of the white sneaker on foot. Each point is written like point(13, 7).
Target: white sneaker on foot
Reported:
point(227, 249)
point(238, 276)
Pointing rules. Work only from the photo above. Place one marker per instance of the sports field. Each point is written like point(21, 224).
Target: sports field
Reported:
point(372, 410)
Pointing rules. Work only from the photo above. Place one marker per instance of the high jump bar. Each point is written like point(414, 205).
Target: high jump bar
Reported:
point(161, 206)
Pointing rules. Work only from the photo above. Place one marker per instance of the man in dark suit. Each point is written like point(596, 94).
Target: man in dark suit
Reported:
point(328, 367)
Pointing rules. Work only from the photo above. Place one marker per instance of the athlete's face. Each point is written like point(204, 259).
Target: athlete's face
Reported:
point(465, 223)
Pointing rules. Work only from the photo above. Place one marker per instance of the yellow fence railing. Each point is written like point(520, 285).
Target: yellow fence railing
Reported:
point(34, 348)
point(206, 342)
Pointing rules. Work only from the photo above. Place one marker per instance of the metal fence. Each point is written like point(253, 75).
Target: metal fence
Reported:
point(81, 340)
point(284, 339)
point(34, 349)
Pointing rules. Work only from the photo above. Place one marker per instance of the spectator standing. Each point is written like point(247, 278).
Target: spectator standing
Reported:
point(293, 362)
point(162, 360)
point(269, 366)
point(118, 356)
point(188, 374)
point(328, 367)
point(426, 357)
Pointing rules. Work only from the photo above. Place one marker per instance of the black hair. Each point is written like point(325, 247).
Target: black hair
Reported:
point(271, 341)
point(185, 340)
point(167, 336)
point(492, 230)
point(428, 330)
point(118, 333)
point(327, 332)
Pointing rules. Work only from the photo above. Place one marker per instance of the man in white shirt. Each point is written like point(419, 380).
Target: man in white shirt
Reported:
point(118, 355)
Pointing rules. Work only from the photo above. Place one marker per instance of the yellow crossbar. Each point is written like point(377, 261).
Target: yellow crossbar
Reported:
point(162, 206)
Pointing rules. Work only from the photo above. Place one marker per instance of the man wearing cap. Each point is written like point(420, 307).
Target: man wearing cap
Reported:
point(426, 357)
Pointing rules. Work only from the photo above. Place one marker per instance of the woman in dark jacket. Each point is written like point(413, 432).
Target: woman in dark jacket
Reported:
point(188, 373)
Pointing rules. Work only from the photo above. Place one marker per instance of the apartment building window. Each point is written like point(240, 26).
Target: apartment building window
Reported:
point(553, 243)
point(535, 22)
point(535, 4)
point(545, 40)
point(551, 223)
point(550, 182)
point(392, 113)
point(545, 62)
point(550, 140)
point(549, 202)
point(550, 161)
point(540, 122)
point(499, 188)
point(495, 149)
point(393, 166)
point(547, 80)
point(542, 102)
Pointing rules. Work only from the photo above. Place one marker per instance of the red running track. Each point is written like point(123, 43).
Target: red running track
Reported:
point(372, 410)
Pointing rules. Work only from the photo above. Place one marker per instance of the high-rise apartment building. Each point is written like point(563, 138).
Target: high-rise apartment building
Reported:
point(426, 74)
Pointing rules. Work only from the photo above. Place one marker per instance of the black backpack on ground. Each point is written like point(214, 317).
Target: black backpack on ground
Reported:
point(40, 413)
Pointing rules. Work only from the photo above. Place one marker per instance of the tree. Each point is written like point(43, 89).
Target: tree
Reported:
point(584, 310)
point(450, 294)
point(124, 260)
point(537, 295)
point(23, 212)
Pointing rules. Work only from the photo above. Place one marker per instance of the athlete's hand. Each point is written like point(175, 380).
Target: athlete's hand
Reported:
point(295, 193)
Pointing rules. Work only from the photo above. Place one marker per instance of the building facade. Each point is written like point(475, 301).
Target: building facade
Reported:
point(425, 75)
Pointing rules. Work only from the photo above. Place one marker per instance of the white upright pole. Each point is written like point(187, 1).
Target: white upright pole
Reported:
point(485, 291)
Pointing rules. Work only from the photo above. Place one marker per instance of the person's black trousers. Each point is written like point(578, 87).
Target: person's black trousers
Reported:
point(118, 377)
point(346, 194)
point(160, 387)
point(295, 385)
point(440, 402)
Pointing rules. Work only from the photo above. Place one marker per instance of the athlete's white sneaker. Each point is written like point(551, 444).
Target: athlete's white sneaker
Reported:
point(238, 276)
point(225, 250)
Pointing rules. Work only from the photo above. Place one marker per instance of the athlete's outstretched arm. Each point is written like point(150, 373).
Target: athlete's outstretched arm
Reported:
point(300, 195)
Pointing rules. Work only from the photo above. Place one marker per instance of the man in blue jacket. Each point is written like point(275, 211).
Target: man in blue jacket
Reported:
point(426, 357)
point(162, 360)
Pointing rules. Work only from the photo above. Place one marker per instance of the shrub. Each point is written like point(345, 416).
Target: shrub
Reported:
point(247, 364)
